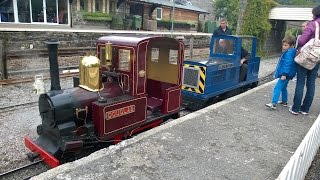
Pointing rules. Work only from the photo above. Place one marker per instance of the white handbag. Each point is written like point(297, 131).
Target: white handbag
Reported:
point(309, 54)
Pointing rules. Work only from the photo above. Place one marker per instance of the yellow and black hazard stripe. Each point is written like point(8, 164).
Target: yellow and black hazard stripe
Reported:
point(201, 79)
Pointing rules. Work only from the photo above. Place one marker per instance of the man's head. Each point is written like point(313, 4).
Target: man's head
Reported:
point(222, 43)
point(287, 42)
point(223, 23)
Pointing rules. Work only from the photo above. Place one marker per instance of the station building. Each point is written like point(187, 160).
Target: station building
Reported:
point(111, 14)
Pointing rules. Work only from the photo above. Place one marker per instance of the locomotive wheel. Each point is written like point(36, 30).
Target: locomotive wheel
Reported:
point(39, 129)
point(232, 93)
point(175, 116)
point(255, 84)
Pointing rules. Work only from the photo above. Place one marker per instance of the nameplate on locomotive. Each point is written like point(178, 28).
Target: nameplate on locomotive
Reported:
point(225, 66)
point(120, 112)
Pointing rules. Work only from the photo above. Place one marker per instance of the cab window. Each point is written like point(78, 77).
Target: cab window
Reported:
point(173, 56)
point(224, 46)
point(155, 54)
point(124, 59)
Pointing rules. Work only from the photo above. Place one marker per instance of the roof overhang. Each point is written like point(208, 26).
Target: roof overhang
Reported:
point(293, 14)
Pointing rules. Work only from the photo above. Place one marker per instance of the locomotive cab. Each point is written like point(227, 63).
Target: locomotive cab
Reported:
point(149, 71)
point(222, 74)
point(132, 85)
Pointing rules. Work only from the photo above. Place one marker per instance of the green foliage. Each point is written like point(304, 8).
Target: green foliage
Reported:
point(293, 32)
point(178, 24)
point(97, 16)
point(228, 9)
point(256, 22)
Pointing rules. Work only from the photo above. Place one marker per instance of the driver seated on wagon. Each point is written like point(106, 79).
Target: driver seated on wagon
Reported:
point(225, 49)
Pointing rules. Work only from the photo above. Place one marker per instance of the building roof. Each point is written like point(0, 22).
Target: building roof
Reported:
point(168, 3)
point(291, 13)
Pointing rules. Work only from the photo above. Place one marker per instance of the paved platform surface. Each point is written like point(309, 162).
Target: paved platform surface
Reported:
point(238, 138)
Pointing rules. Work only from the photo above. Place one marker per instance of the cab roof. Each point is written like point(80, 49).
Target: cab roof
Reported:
point(131, 40)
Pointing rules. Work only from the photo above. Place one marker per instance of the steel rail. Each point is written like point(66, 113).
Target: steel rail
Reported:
point(16, 106)
point(20, 168)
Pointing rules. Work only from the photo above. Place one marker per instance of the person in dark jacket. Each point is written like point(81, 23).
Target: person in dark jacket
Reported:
point(244, 64)
point(286, 70)
point(225, 49)
point(306, 77)
point(222, 29)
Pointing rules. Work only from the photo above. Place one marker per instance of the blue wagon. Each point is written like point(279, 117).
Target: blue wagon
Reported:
point(218, 77)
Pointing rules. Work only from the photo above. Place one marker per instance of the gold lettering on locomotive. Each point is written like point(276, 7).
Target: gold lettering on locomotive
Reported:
point(120, 112)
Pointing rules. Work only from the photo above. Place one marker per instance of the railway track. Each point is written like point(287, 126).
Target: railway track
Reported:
point(26, 171)
point(31, 79)
point(44, 52)
point(67, 52)
point(17, 106)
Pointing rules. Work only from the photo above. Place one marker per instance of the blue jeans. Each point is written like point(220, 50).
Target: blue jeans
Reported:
point(281, 87)
point(308, 78)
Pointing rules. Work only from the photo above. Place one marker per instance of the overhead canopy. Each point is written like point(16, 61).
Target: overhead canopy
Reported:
point(291, 13)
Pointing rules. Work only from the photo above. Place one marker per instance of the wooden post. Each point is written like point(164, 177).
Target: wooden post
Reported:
point(191, 47)
point(3, 60)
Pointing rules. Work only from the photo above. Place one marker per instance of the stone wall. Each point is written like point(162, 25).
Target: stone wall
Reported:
point(36, 40)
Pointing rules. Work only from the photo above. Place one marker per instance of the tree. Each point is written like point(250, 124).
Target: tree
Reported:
point(243, 5)
point(256, 20)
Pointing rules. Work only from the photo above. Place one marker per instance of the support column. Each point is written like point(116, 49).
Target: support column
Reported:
point(93, 5)
point(3, 60)
point(103, 6)
point(89, 6)
point(78, 5)
point(15, 11)
point(108, 6)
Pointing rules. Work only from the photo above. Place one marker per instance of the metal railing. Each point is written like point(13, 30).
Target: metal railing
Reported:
point(299, 163)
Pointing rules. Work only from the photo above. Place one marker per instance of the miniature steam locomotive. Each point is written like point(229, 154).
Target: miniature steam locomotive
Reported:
point(124, 93)
point(135, 83)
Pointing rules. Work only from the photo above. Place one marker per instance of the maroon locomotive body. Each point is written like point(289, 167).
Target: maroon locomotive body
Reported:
point(133, 84)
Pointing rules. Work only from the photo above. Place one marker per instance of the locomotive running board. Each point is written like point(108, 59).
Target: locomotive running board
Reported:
point(46, 157)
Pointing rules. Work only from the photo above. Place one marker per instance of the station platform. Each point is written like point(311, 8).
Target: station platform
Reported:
point(238, 138)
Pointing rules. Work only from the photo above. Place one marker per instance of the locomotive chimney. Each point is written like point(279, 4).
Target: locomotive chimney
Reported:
point(54, 66)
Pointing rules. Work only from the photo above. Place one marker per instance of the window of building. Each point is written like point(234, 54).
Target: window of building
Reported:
point(51, 11)
point(6, 11)
point(83, 5)
point(99, 6)
point(112, 7)
point(63, 12)
point(159, 13)
point(24, 11)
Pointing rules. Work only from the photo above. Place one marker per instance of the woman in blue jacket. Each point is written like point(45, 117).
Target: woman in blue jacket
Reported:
point(285, 71)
